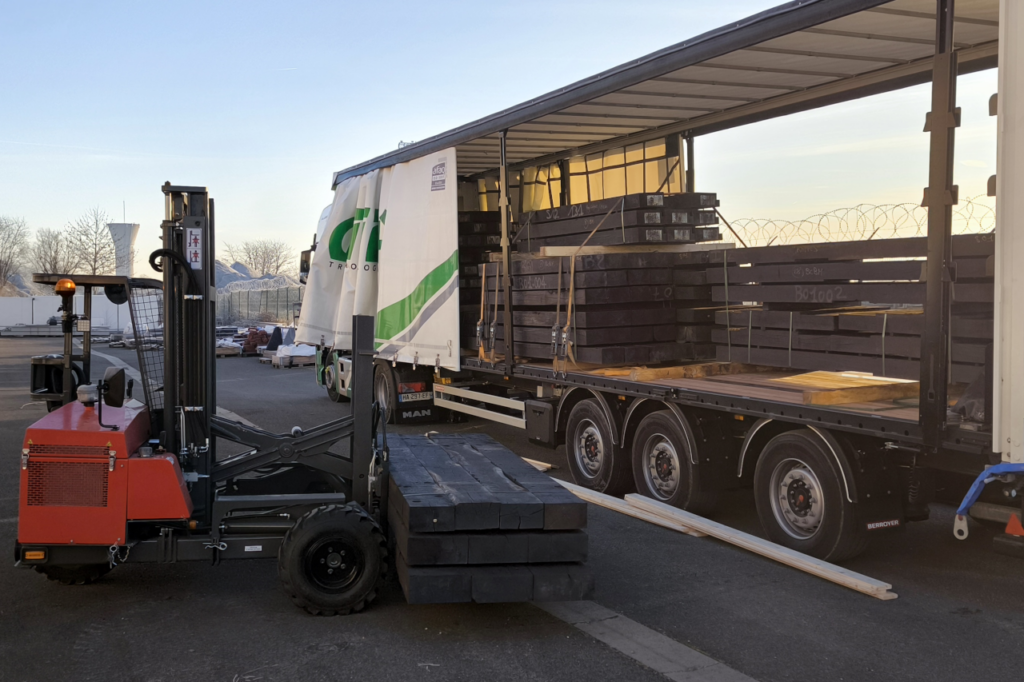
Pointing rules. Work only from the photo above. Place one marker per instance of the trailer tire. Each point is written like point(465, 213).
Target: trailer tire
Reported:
point(800, 499)
point(330, 381)
point(384, 389)
point(595, 461)
point(663, 467)
point(329, 539)
point(80, 574)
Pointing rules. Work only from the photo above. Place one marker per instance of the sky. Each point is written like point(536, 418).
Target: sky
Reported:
point(262, 101)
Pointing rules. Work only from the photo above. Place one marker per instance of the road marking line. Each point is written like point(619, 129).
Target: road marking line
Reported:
point(119, 363)
point(645, 646)
point(13, 519)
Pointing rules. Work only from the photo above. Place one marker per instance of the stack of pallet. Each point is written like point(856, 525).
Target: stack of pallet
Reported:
point(479, 236)
point(632, 219)
point(854, 306)
point(495, 530)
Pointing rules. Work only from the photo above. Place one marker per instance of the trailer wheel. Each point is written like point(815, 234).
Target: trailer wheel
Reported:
point(80, 574)
point(594, 460)
point(663, 468)
point(333, 560)
point(800, 500)
point(384, 389)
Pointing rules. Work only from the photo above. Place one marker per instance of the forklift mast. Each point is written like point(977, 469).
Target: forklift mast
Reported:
point(190, 308)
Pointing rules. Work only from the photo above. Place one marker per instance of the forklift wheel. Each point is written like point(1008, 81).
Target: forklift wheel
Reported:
point(333, 560)
point(82, 574)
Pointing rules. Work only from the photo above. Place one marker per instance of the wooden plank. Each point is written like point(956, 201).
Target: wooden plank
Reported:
point(556, 251)
point(615, 504)
point(818, 272)
point(648, 234)
point(595, 296)
point(834, 388)
point(784, 555)
point(696, 371)
point(589, 279)
point(964, 246)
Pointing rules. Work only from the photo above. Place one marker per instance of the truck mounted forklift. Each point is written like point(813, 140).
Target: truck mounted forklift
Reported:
point(107, 481)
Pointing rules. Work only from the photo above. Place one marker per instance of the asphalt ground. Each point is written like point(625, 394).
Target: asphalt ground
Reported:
point(959, 615)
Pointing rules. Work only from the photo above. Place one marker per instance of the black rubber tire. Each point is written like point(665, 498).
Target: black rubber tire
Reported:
point(334, 395)
point(688, 494)
point(80, 574)
point(384, 384)
point(839, 534)
point(612, 475)
point(359, 534)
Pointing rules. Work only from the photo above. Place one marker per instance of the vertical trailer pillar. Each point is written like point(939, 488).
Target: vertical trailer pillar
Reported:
point(506, 253)
point(690, 177)
point(1008, 398)
point(939, 197)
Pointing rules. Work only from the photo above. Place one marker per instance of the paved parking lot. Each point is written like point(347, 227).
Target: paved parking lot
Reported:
point(959, 616)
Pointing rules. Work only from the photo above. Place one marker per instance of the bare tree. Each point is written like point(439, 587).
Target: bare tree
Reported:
point(91, 238)
point(13, 247)
point(261, 256)
point(54, 251)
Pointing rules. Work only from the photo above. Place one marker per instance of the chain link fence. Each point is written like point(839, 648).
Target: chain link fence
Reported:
point(863, 222)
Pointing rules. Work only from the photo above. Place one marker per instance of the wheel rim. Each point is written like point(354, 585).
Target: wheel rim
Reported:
point(382, 393)
point(798, 501)
point(329, 378)
point(333, 564)
point(588, 448)
point(661, 467)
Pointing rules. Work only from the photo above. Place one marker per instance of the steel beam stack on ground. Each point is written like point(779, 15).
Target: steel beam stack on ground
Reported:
point(471, 521)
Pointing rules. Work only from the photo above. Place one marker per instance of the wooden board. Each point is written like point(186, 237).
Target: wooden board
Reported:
point(615, 504)
point(770, 550)
point(594, 296)
point(588, 279)
point(837, 388)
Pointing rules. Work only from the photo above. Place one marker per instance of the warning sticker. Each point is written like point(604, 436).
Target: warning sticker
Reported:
point(194, 247)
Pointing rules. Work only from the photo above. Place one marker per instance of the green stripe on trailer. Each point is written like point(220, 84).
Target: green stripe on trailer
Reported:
point(395, 318)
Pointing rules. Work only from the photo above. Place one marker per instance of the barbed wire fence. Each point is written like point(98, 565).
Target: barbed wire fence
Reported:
point(862, 222)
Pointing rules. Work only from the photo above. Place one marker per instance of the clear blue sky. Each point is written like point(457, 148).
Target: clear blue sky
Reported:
point(262, 101)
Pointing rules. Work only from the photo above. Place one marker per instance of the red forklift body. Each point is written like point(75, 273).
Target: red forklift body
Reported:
point(76, 476)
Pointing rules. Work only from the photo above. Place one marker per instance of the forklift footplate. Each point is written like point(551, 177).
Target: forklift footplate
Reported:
point(471, 521)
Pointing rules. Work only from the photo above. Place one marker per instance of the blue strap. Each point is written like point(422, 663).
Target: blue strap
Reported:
point(979, 483)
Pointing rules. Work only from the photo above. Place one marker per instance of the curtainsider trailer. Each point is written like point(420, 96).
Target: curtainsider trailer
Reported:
point(456, 243)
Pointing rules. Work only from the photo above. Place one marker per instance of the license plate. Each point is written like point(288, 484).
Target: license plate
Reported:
point(414, 397)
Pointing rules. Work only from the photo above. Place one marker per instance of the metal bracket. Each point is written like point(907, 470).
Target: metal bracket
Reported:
point(415, 360)
point(193, 297)
point(111, 457)
point(187, 408)
point(24, 458)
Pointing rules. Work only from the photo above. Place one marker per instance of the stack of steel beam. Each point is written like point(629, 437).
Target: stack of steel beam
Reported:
point(471, 521)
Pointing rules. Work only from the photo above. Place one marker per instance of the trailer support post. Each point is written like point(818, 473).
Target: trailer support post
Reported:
point(939, 198)
point(362, 406)
point(506, 253)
